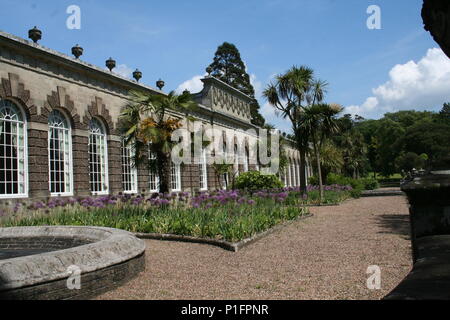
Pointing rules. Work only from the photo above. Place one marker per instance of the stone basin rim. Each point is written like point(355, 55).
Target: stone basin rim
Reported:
point(107, 247)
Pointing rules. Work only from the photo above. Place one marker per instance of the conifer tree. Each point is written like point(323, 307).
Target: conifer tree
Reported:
point(228, 67)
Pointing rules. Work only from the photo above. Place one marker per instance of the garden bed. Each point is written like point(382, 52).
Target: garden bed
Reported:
point(223, 216)
point(230, 246)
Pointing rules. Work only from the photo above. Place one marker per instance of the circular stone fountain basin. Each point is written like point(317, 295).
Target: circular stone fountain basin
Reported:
point(44, 262)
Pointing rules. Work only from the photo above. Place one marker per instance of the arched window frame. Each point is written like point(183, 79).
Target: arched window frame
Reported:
point(22, 173)
point(236, 161)
point(103, 164)
point(175, 177)
point(294, 174)
point(129, 171)
point(225, 176)
point(153, 174)
point(203, 169)
point(59, 123)
point(246, 160)
point(289, 175)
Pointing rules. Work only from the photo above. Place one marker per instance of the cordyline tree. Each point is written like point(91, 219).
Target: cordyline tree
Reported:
point(147, 127)
point(291, 94)
point(317, 122)
point(228, 67)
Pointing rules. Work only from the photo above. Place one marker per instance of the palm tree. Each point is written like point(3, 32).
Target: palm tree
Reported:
point(291, 93)
point(317, 122)
point(147, 126)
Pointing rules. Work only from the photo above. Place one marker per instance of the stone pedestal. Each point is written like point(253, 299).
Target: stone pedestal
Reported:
point(429, 198)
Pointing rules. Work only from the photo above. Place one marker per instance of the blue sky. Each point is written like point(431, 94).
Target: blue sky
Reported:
point(370, 71)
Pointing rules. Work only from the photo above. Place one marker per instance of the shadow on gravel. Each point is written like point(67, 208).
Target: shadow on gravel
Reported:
point(394, 224)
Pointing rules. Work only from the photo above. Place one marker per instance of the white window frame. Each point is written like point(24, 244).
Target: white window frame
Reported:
point(294, 175)
point(203, 169)
point(22, 175)
point(225, 176)
point(289, 180)
point(129, 172)
point(103, 158)
point(285, 177)
point(175, 177)
point(153, 177)
point(65, 130)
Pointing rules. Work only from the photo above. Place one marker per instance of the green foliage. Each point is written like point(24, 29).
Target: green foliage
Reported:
point(356, 184)
point(228, 222)
point(146, 126)
point(401, 137)
point(313, 180)
point(370, 183)
point(254, 180)
point(228, 67)
point(410, 160)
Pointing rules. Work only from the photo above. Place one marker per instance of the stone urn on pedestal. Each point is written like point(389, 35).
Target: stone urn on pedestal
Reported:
point(429, 199)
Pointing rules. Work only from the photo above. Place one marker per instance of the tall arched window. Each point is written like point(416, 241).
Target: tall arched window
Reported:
point(236, 161)
point(153, 174)
point(289, 175)
point(203, 171)
point(294, 175)
point(13, 151)
point(175, 177)
point(98, 158)
point(246, 160)
point(225, 177)
point(59, 154)
point(129, 170)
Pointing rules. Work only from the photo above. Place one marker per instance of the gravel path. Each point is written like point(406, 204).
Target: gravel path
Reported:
point(323, 257)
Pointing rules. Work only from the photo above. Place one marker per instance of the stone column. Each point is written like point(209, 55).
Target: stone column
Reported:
point(143, 178)
point(115, 165)
point(38, 176)
point(80, 156)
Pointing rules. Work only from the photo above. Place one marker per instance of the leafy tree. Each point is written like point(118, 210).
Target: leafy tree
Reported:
point(444, 114)
point(353, 146)
point(410, 160)
point(431, 138)
point(331, 159)
point(228, 67)
point(147, 126)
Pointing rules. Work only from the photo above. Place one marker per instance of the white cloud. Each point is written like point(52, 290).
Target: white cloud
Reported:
point(257, 85)
point(421, 85)
point(194, 85)
point(123, 70)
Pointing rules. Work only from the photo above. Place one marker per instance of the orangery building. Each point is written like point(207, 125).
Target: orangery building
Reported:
point(59, 132)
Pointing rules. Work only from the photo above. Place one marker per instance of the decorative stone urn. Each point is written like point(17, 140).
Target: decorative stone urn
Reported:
point(429, 199)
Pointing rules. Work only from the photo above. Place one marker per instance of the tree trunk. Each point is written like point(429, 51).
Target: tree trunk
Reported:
point(164, 172)
point(303, 189)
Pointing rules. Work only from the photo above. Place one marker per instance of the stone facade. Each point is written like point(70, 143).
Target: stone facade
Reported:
point(39, 80)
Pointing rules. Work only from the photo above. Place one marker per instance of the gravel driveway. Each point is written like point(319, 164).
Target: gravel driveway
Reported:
point(323, 257)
